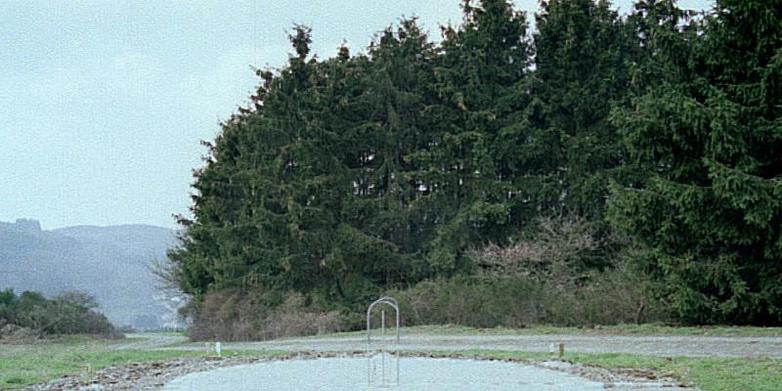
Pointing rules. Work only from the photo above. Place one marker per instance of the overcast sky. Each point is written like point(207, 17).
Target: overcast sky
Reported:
point(103, 103)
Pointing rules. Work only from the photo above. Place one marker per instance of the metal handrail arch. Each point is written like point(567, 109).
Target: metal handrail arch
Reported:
point(388, 300)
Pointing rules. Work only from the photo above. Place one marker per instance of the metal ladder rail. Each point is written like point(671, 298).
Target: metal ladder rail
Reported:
point(383, 300)
point(393, 303)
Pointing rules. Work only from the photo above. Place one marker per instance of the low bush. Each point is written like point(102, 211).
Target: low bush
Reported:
point(616, 295)
point(549, 278)
point(613, 296)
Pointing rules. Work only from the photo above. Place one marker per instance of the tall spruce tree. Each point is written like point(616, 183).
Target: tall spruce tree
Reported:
point(379, 238)
point(708, 132)
point(479, 82)
point(249, 211)
point(312, 189)
point(581, 60)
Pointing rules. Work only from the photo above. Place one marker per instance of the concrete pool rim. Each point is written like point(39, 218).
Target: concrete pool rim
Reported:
point(595, 373)
point(158, 373)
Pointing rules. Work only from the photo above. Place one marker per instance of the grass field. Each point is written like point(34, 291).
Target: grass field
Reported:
point(27, 364)
point(708, 374)
point(23, 365)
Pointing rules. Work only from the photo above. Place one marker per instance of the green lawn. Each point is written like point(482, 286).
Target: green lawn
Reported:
point(23, 365)
point(26, 364)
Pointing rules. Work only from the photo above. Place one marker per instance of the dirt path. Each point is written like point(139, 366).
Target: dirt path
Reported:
point(694, 346)
point(150, 341)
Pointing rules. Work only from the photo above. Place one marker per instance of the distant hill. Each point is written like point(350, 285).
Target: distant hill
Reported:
point(111, 263)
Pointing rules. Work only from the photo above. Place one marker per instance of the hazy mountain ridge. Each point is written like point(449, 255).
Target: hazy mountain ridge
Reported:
point(111, 263)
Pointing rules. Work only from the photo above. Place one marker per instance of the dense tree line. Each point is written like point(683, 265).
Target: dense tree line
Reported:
point(68, 313)
point(366, 172)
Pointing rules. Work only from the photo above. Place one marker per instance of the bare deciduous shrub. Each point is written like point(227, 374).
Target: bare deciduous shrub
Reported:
point(11, 334)
point(554, 254)
point(236, 316)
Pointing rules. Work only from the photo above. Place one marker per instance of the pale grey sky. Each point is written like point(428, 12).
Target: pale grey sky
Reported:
point(103, 103)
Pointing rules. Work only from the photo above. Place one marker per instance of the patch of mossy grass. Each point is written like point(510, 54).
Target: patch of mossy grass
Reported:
point(22, 365)
point(705, 373)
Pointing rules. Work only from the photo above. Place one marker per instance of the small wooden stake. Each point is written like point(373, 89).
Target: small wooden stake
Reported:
point(561, 350)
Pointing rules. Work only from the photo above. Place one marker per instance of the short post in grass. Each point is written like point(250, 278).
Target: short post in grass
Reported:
point(86, 373)
point(561, 350)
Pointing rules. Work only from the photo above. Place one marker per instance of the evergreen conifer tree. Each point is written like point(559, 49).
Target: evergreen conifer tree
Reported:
point(707, 131)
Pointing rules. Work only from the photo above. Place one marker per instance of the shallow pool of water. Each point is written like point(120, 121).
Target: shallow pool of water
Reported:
point(380, 372)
